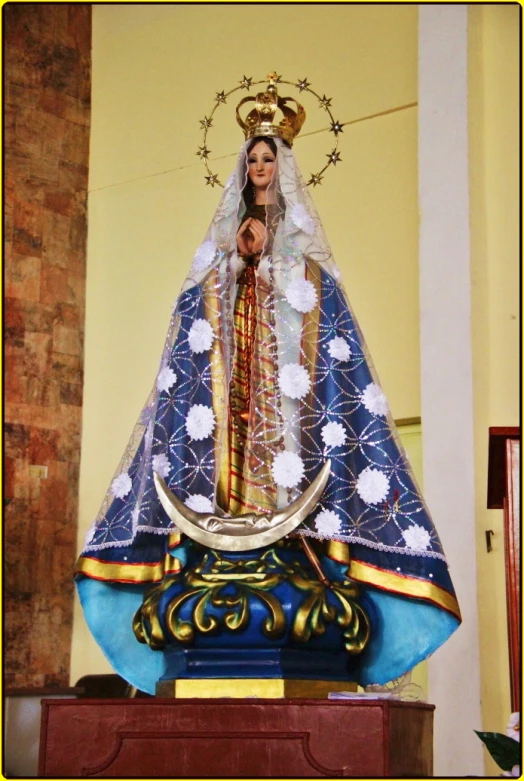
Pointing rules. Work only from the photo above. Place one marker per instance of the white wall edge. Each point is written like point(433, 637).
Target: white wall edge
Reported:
point(446, 371)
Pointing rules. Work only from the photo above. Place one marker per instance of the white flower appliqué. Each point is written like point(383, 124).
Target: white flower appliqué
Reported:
point(374, 400)
point(200, 421)
point(333, 434)
point(416, 537)
point(372, 485)
point(200, 336)
point(328, 522)
point(294, 380)
point(166, 378)
point(302, 219)
point(302, 296)
point(121, 485)
point(161, 464)
point(199, 503)
point(339, 349)
point(204, 256)
point(287, 469)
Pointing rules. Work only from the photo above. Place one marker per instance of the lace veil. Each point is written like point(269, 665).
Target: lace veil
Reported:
point(335, 409)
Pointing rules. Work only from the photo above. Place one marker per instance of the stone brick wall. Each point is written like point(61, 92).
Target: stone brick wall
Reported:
point(47, 116)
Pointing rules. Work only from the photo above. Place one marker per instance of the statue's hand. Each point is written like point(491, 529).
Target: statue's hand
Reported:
point(259, 236)
point(245, 237)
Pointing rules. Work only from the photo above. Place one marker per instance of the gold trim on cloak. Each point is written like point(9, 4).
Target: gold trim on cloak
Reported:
point(125, 572)
point(404, 585)
point(338, 551)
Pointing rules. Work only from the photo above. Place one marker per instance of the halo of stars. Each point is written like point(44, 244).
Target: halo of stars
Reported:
point(245, 83)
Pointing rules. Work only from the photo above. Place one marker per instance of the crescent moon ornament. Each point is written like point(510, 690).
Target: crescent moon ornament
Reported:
point(242, 532)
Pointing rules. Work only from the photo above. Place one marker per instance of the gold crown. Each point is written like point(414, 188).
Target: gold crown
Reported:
point(259, 121)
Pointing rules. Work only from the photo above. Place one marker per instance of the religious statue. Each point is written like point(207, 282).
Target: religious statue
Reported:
point(264, 521)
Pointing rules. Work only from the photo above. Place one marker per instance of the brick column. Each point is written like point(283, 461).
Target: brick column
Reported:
point(47, 116)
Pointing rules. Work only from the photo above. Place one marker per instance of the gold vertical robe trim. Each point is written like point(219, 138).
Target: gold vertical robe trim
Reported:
point(405, 585)
point(310, 330)
point(244, 323)
point(244, 477)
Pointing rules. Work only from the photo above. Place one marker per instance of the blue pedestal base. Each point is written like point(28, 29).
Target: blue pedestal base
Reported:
point(288, 663)
point(260, 615)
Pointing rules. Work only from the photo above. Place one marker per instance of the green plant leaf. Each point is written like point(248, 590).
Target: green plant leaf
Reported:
point(505, 751)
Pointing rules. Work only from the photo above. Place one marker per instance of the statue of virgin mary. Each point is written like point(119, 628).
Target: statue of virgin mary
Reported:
point(265, 376)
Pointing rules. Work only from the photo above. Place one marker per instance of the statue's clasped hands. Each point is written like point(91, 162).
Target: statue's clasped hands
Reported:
point(251, 237)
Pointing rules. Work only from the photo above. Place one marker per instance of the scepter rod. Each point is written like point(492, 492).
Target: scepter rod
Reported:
point(314, 561)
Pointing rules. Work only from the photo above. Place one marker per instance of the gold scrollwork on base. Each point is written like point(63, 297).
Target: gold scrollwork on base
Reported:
point(207, 582)
point(210, 591)
point(221, 591)
point(315, 613)
point(146, 624)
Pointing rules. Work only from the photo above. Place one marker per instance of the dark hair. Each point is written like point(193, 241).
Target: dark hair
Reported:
point(248, 192)
point(267, 139)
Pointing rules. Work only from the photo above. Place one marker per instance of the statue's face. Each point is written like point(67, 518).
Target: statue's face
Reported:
point(261, 164)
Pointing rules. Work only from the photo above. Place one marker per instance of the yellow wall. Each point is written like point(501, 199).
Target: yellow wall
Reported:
point(156, 69)
point(494, 194)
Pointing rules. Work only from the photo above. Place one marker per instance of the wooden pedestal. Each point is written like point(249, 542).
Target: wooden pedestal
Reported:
point(159, 738)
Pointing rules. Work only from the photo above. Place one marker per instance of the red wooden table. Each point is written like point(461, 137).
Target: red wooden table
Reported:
point(166, 738)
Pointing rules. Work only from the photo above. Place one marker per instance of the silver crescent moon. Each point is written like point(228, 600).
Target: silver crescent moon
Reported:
point(242, 532)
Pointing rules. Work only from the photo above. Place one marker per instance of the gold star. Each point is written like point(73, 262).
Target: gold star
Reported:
point(303, 84)
point(246, 83)
point(206, 123)
point(334, 157)
point(203, 152)
point(212, 180)
point(324, 102)
point(315, 179)
point(273, 76)
point(221, 97)
point(336, 127)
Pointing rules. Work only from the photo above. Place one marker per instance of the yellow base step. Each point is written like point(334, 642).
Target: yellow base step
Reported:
point(264, 688)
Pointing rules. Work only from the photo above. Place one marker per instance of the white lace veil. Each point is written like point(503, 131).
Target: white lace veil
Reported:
point(349, 397)
point(299, 234)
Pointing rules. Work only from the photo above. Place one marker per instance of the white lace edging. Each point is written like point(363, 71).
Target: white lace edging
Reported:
point(302, 532)
point(376, 545)
point(127, 543)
